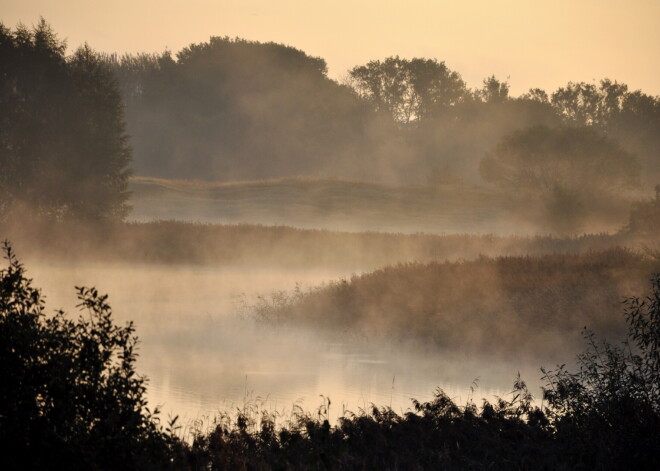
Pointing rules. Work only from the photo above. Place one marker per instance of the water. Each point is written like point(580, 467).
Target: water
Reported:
point(203, 355)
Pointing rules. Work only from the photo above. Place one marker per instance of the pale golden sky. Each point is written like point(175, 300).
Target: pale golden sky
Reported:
point(535, 44)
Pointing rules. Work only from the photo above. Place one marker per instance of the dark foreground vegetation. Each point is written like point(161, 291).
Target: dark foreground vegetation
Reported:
point(71, 398)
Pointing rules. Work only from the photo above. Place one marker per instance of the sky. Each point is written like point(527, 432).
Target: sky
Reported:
point(530, 43)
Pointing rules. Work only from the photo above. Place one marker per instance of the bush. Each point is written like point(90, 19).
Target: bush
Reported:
point(605, 416)
point(608, 412)
point(70, 396)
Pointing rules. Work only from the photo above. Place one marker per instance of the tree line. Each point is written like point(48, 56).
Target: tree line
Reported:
point(239, 110)
point(232, 109)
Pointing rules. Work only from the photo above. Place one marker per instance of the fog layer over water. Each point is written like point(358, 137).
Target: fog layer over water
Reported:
point(203, 353)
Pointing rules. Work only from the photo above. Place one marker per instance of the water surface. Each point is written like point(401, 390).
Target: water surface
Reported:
point(204, 354)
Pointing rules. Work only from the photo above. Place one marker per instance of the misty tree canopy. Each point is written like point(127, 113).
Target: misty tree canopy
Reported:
point(232, 109)
point(544, 158)
point(63, 147)
point(409, 90)
point(633, 118)
point(571, 168)
point(236, 109)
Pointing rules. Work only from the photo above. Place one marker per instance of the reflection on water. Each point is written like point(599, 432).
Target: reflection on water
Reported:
point(202, 356)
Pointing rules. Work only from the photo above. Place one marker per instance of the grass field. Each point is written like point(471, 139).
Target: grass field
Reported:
point(355, 205)
point(328, 204)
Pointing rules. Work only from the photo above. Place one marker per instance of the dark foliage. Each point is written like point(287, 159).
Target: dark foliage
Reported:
point(608, 412)
point(63, 147)
point(437, 434)
point(70, 397)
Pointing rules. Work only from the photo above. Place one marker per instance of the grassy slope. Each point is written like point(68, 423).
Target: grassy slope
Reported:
point(325, 204)
point(352, 205)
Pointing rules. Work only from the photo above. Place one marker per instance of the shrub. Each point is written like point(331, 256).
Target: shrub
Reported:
point(609, 410)
point(70, 396)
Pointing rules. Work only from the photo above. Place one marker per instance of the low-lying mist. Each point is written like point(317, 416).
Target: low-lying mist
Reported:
point(505, 306)
point(203, 350)
point(249, 245)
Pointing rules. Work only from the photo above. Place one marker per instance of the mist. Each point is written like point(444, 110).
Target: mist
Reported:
point(284, 241)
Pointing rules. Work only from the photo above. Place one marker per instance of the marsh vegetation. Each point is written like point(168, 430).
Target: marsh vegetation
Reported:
point(72, 395)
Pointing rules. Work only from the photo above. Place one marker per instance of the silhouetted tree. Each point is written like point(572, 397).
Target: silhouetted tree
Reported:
point(494, 91)
point(63, 147)
point(409, 90)
point(537, 95)
point(543, 158)
point(458, 137)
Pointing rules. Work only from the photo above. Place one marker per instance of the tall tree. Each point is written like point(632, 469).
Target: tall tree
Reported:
point(494, 90)
point(63, 146)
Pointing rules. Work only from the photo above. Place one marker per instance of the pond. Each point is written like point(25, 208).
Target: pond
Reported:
point(204, 354)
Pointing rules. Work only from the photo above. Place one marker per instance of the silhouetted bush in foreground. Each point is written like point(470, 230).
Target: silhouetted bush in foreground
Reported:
point(69, 394)
point(70, 399)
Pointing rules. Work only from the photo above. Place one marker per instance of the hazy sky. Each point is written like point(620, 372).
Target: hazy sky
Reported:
point(535, 44)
